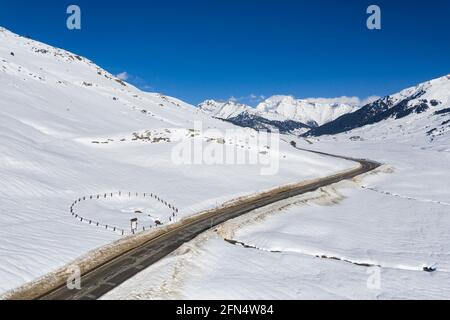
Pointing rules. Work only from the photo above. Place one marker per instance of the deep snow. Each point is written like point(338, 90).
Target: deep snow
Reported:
point(383, 239)
point(70, 129)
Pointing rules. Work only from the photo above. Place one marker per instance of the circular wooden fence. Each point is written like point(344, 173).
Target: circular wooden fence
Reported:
point(121, 231)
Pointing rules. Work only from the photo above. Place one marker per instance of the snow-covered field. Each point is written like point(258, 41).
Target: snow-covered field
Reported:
point(366, 239)
point(69, 129)
point(281, 108)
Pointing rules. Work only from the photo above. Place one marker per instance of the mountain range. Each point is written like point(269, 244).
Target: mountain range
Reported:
point(423, 109)
point(284, 113)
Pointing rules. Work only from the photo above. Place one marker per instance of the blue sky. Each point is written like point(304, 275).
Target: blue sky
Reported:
point(199, 49)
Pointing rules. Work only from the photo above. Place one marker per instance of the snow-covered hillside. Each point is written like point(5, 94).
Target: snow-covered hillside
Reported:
point(224, 110)
point(69, 129)
point(421, 112)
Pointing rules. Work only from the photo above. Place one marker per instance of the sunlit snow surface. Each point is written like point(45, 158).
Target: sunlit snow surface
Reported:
point(401, 227)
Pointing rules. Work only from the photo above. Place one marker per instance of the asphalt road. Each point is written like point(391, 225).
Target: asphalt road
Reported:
point(103, 279)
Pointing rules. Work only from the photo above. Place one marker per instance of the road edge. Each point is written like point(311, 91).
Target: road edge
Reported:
point(102, 256)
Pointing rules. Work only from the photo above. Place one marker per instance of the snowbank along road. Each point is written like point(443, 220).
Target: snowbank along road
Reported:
point(102, 279)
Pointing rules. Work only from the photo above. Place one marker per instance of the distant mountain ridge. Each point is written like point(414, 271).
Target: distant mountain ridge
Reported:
point(418, 112)
point(422, 108)
point(248, 120)
point(224, 110)
point(283, 113)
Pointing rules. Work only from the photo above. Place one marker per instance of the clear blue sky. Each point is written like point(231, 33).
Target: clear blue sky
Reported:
point(198, 49)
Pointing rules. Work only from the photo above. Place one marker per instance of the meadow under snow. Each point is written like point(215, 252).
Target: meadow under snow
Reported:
point(69, 129)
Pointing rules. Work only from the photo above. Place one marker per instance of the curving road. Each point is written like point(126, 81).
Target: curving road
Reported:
point(110, 275)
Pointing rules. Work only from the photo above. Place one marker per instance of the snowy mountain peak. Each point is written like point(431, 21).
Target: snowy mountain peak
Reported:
point(305, 111)
point(280, 108)
point(224, 110)
point(57, 93)
point(277, 100)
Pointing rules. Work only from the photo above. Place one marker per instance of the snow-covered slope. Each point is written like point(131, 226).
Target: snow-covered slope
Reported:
point(57, 87)
point(70, 129)
point(420, 112)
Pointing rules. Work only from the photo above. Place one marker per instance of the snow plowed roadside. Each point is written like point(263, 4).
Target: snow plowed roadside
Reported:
point(103, 256)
